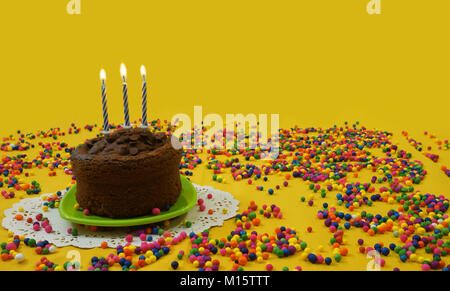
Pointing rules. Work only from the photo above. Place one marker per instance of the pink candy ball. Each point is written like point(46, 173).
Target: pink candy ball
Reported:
point(48, 229)
point(156, 211)
point(11, 246)
point(192, 258)
point(129, 238)
point(403, 237)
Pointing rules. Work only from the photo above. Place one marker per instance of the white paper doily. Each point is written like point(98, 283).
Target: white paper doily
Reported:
point(86, 238)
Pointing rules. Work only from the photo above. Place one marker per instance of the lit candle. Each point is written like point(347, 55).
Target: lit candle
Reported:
point(123, 74)
point(104, 103)
point(144, 96)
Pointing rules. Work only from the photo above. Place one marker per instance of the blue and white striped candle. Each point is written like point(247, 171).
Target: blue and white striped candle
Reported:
point(144, 96)
point(123, 74)
point(104, 101)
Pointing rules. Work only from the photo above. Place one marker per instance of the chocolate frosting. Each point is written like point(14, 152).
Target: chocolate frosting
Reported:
point(123, 142)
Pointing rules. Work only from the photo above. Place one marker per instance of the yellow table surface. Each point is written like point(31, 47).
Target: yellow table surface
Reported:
point(295, 215)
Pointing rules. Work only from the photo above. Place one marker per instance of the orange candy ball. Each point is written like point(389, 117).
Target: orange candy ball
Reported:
point(242, 260)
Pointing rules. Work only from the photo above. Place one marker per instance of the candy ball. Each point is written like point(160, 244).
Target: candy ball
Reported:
point(19, 257)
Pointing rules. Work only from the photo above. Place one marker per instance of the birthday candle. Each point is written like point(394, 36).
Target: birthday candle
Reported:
point(123, 74)
point(144, 96)
point(104, 102)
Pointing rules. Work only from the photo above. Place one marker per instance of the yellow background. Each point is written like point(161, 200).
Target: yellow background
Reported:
point(316, 63)
point(309, 61)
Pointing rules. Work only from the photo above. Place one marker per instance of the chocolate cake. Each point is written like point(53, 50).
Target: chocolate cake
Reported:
point(127, 173)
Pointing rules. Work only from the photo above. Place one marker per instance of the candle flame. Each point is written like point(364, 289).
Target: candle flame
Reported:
point(123, 71)
point(143, 71)
point(102, 75)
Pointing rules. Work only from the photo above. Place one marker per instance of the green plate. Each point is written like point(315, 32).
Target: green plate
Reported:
point(185, 202)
